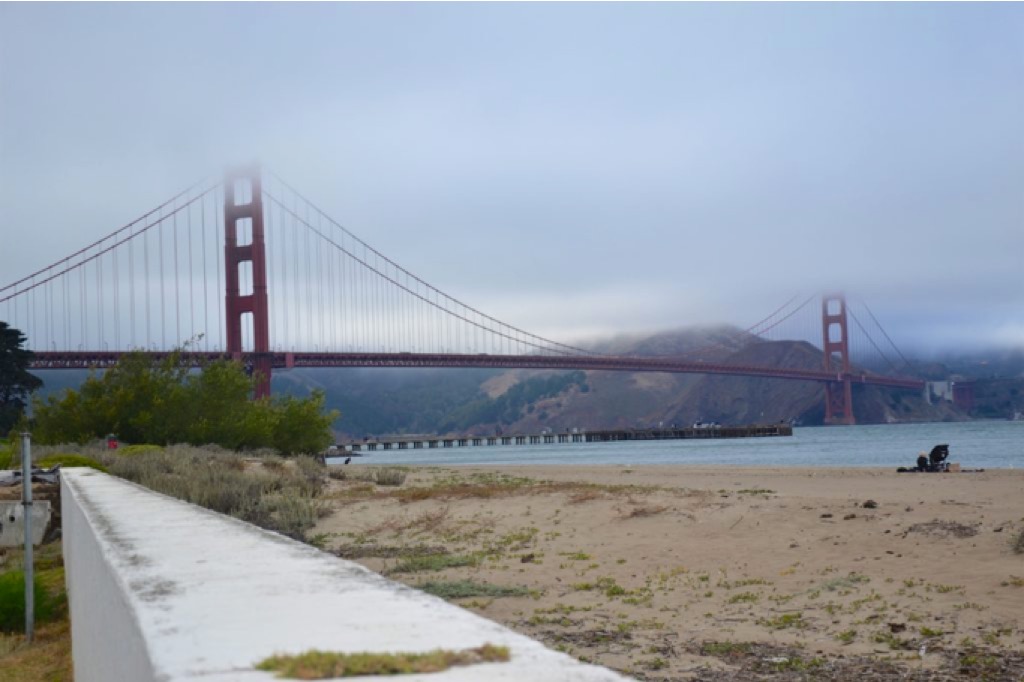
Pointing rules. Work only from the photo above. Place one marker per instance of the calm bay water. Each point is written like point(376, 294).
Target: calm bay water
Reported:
point(986, 444)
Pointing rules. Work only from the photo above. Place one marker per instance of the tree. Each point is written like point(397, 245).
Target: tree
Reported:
point(301, 425)
point(16, 383)
point(164, 402)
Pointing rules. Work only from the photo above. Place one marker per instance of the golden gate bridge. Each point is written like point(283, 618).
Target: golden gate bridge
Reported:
point(203, 266)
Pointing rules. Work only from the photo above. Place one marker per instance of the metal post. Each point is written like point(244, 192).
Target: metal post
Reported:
point(26, 503)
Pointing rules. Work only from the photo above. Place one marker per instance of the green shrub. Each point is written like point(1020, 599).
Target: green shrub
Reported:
point(389, 477)
point(12, 602)
point(163, 401)
point(67, 460)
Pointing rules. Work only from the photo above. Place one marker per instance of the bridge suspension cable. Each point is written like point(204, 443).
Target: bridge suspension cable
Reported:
point(906, 363)
point(79, 300)
point(405, 288)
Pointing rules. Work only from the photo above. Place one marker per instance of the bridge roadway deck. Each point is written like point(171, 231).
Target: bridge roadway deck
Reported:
point(280, 360)
point(606, 436)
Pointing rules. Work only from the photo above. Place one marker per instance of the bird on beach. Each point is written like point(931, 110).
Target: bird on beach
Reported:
point(347, 460)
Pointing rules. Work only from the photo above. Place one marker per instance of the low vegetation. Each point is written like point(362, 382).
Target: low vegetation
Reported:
point(267, 490)
point(461, 589)
point(393, 477)
point(12, 602)
point(48, 657)
point(433, 562)
point(165, 401)
point(70, 460)
point(322, 665)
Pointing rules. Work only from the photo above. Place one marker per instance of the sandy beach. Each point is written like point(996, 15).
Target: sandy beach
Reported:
point(713, 573)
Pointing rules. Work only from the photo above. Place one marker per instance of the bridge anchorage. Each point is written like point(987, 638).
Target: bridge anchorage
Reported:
point(262, 275)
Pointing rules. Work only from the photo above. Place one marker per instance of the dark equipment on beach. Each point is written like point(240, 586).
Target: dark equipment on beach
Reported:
point(935, 461)
point(938, 457)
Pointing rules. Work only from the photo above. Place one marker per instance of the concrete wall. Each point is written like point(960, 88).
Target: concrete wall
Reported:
point(12, 522)
point(163, 590)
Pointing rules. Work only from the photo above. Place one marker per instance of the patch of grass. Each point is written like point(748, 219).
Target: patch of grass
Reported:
point(847, 636)
point(577, 556)
point(944, 589)
point(784, 621)
point(725, 649)
point(725, 584)
point(270, 492)
point(1014, 581)
point(513, 541)
point(755, 491)
point(68, 460)
point(851, 580)
point(974, 665)
point(433, 562)
point(991, 638)
point(12, 601)
point(460, 589)
point(392, 477)
point(748, 597)
point(891, 640)
point(1018, 543)
point(614, 590)
point(322, 665)
point(564, 608)
point(133, 450)
point(47, 658)
point(928, 632)
point(610, 588)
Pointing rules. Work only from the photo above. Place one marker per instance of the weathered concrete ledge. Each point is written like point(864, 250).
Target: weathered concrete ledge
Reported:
point(164, 590)
point(12, 522)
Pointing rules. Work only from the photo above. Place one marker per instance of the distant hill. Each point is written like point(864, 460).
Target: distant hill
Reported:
point(402, 401)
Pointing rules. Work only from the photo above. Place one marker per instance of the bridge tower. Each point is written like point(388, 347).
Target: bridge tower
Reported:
point(243, 243)
point(836, 344)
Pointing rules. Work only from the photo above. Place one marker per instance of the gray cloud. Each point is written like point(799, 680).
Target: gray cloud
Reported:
point(576, 169)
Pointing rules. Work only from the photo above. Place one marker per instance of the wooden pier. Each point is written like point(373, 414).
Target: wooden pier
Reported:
point(608, 436)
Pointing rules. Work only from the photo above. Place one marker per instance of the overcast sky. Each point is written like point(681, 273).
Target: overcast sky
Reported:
point(575, 169)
